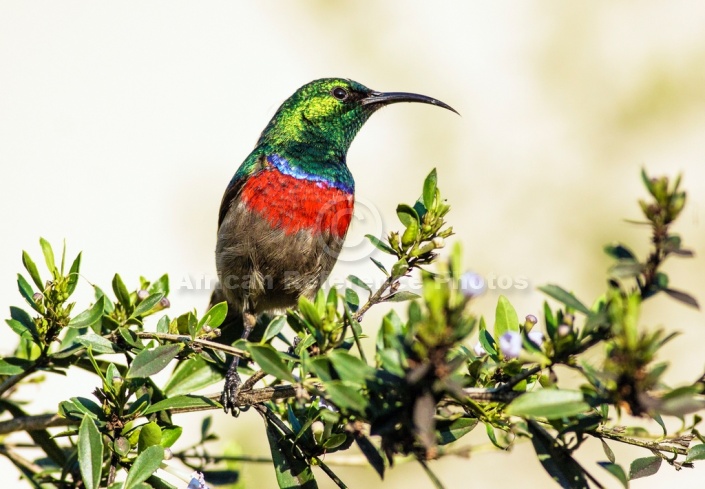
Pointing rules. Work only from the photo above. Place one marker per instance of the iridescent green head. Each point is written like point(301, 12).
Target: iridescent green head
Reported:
point(322, 117)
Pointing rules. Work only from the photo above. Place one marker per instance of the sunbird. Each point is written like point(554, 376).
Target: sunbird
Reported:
point(285, 213)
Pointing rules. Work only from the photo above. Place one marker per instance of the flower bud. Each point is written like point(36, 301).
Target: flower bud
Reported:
point(438, 242)
point(529, 322)
point(37, 297)
point(168, 454)
point(142, 294)
point(563, 330)
point(479, 349)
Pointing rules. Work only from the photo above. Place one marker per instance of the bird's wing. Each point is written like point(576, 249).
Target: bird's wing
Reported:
point(252, 165)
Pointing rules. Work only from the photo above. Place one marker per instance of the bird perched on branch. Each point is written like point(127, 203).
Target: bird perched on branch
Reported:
point(286, 211)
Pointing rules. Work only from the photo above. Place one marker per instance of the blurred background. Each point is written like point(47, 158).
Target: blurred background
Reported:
point(122, 123)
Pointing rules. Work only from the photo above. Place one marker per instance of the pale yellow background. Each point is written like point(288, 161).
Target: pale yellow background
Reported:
point(121, 124)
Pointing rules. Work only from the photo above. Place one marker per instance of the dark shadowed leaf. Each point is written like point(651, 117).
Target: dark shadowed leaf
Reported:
point(556, 460)
point(450, 431)
point(617, 471)
point(380, 266)
point(372, 454)
point(608, 451)
point(619, 251)
point(683, 297)
point(90, 453)
point(291, 471)
point(150, 362)
point(644, 467)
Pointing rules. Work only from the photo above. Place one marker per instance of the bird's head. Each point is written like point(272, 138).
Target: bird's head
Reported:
point(324, 115)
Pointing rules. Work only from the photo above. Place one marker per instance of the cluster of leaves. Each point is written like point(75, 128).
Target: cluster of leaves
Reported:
point(425, 388)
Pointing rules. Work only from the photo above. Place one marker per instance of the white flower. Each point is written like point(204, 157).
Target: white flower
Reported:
point(479, 349)
point(510, 344)
point(536, 337)
point(472, 284)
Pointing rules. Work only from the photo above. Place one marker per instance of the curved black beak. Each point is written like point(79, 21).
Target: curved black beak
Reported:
point(386, 98)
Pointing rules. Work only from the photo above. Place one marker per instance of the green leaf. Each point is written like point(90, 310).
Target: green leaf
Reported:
point(407, 215)
point(169, 435)
point(16, 366)
point(27, 292)
point(506, 318)
point(450, 431)
point(402, 296)
point(123, 296)
point(556, 460)
point(215, 315)
point(145, 465)
point(190, 376)
point(274, 327)
point(565, 297)
point(48, 254)
point(377, 243)
point(359, 282)
point(90, 453)
point(617, 471)
point(400, 268)
point(150, 435)
point(644, 467)
point(32, 270)
point(619, 252)
point(97, 343)
point(26, 323)
point(345, 395)
point(549, 404)
point(146, 305)
point(73, 275)
point(380, 266)
point(181, 402)
point(608, 451)
point(696, 452)
point(683, 297)
point(90, 316)
point(269, 360)
point(352, 299)
point(149, 362)
point(350, 368)
point(429, 189)
point(291, 471)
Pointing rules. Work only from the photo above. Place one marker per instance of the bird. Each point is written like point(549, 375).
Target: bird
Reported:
point(285, 213)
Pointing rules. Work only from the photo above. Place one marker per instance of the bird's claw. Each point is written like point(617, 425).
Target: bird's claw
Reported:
point(231, 389)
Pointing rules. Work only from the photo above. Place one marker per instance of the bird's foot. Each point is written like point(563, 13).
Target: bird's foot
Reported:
point(231, 389)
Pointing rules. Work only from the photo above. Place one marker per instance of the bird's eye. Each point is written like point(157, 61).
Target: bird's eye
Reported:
point(340, 93)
